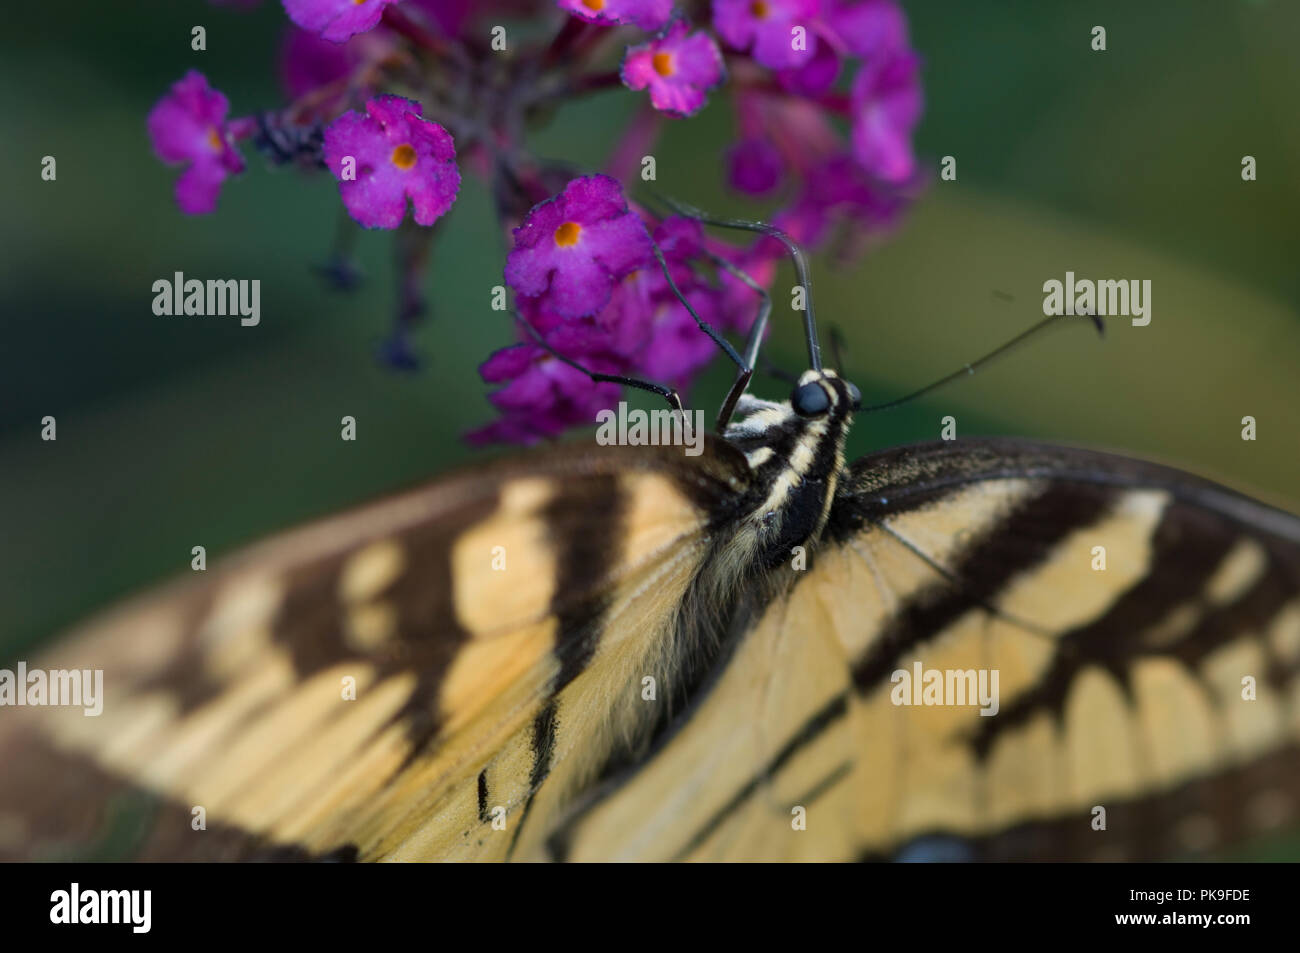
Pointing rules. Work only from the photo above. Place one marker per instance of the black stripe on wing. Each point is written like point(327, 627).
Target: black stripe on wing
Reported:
point(1017, 544)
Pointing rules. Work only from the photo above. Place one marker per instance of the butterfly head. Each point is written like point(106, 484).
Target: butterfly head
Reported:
point(795, 452)
point(824, 393)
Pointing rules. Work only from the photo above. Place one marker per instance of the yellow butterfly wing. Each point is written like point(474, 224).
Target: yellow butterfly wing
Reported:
point(424, 678)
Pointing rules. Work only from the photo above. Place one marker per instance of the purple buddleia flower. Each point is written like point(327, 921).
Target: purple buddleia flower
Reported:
point(336, 20)
point(678, 69)
point(189, 125)
point(768, 29)
point(887, 105)
point(395, 155)
point(571, 249)
point(647, 14)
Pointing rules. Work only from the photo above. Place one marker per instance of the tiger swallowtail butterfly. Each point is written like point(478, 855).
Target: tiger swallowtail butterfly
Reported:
point(630, 653)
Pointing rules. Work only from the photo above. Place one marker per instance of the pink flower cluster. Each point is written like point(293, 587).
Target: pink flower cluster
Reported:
point(825, 97)
point(587, 280)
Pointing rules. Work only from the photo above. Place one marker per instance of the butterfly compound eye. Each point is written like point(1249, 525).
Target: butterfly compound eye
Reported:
point(855, 396)
point(810, 400)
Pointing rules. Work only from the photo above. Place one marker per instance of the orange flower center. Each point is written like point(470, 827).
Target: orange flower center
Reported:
point(595, 6)
point(760, 9)
point(567, 234)
point(214, 139)
point(663, 63)
point(404, 157)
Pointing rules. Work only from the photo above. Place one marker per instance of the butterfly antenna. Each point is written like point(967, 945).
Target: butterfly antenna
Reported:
point(796, 255)
point(752, 343)
point(967, 369)
point(667, 393)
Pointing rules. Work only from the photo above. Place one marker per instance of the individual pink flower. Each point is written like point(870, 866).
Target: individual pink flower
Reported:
point(189, 125)
point(769, 28)
point(678, 69)
point(647, 14)
point(336, 20)
point(571, 249)
point(396, 155)
point(887, 105)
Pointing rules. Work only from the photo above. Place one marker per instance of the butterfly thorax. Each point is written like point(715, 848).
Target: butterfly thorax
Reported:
point(796, 461)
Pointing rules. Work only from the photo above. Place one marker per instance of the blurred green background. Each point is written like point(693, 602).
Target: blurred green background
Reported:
point(1122, 164)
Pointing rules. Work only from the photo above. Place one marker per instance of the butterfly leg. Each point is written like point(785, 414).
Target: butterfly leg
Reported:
point(746, 369)
point(753, 356)
point(667, 393)
point(752, 343)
